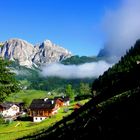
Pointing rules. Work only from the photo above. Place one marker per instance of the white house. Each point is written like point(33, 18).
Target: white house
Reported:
point(9, 109)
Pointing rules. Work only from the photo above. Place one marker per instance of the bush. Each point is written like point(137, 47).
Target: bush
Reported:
point(1, 120)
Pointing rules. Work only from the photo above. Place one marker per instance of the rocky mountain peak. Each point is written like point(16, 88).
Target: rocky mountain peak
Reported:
point(48, 52)
point(17, 49)
point(48, 43)
point(1, 43)
point(28, 55)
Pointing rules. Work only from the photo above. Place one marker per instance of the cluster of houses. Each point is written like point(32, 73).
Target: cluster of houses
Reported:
point(39, 109)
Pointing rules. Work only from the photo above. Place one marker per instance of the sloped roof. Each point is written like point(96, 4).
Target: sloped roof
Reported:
point(62, 98)
point(65, 99)
point(7, 105)
point(42, 104)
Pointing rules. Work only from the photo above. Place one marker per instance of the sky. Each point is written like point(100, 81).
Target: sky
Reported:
point(72, 24)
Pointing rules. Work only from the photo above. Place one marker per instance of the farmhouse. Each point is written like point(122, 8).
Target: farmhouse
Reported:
point(62, 101)
point(41, 109)
point(59, 101)
point(9, 109)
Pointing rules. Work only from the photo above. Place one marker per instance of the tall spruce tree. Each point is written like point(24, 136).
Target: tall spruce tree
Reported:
point(8, 83)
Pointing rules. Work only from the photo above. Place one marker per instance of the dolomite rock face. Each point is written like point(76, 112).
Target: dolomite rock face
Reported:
point(28, 55)
point(17, 49)
point(47, 52)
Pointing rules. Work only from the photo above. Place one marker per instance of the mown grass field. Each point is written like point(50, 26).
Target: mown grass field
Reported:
point(28, 95)
point(12, 132)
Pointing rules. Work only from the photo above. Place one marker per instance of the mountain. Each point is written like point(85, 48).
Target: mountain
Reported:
point(17, 49)
point(47, 52)
point(29, 55)
point(113, 112)
point(106, 55)
point(1, 44)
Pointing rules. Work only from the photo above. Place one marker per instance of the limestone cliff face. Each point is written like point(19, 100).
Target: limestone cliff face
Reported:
point(28, 55)
point(48, 52)
point(17, 49)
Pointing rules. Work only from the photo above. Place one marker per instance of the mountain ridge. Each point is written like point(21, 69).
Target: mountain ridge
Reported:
point(32, 55)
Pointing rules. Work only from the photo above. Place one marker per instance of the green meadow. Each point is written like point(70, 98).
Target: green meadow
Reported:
point(28, 95)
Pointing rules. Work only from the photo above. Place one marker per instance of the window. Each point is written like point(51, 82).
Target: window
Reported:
point(34, 113)
point(40, 118)
point(36, 118)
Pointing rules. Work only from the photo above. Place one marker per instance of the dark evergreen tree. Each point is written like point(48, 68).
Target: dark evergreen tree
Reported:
point(8, 83)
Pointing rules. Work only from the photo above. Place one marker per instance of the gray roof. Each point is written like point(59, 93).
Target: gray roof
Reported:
point(42, 104)
point(7, 105)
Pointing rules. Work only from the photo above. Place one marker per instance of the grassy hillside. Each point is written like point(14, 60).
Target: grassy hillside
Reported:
point(113, 113)
point(27, 95)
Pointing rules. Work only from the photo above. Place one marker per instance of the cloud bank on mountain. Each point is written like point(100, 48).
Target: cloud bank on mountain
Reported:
point(87, 70)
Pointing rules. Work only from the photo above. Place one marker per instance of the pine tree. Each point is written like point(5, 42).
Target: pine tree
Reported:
point(8, 83)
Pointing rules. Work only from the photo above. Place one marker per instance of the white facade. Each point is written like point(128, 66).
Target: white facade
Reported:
point(12, 111)
point(38, 119)
point(67, 103)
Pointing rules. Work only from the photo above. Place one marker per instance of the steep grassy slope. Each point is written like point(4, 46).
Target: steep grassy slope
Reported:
point(113, 113)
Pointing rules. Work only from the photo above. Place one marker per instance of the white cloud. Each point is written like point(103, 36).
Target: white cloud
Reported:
point(87, 70)
point(122, 27)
